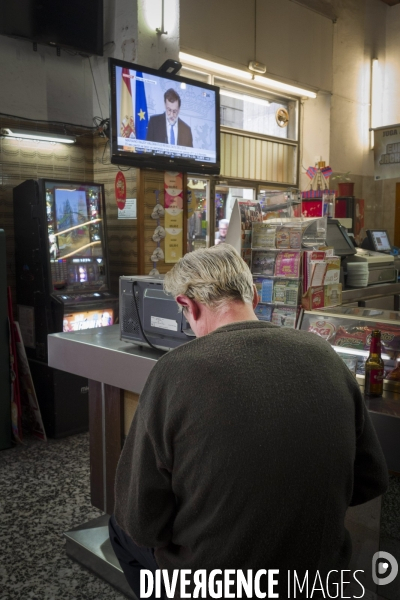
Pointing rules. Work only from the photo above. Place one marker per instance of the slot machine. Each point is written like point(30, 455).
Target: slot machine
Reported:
point(62, 284)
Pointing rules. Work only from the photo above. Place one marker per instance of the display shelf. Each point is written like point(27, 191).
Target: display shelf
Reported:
point(266, 249)
point(278, 266)
point(348, 330)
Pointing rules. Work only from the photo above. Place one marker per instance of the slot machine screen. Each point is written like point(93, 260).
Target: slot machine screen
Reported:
point(75, 237)
point(78, 321)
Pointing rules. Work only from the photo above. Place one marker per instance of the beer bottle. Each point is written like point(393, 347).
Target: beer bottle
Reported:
point(374, 367)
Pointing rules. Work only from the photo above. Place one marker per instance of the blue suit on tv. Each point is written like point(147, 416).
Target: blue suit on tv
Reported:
point(157, 131)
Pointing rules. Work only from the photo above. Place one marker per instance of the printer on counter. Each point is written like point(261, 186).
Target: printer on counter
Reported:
point(149, 316)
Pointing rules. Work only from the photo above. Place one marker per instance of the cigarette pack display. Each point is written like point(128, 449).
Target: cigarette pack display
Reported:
point(263, 312)
point(287, 264)
point(263, 262)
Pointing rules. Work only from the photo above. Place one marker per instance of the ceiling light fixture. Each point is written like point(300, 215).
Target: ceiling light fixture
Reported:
point(211, 66)
point(35, 135)
point(246, 98)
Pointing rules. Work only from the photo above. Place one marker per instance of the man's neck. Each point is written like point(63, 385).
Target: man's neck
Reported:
point(233, 312)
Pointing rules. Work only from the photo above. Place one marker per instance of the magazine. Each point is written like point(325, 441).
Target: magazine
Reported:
point(263, 262)
point(287, 264)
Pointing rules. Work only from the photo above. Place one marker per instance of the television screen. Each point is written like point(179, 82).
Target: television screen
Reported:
point(163, 121)
point(65, 24)
point(380, 240)
point(336, 236)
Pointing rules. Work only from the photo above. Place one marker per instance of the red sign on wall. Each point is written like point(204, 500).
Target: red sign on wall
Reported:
point(120, 190)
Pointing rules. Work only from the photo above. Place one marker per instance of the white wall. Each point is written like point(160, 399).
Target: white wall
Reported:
point(359, 36)
point(391, 91)
point(294, 42)
point(315, 134)
point(41, 85)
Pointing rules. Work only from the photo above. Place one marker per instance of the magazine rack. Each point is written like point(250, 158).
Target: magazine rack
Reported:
point(276, 262)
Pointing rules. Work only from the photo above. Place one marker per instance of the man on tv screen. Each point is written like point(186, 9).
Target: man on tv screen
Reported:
point(167, 127)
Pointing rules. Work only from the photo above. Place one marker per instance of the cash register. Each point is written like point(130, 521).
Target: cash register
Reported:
point(375, 251)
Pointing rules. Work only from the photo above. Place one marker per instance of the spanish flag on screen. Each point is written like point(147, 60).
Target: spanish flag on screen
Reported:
point(141, 115)
point(127, 124)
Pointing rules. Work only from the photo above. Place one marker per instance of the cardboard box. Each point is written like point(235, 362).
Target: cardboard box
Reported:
point(322, 296)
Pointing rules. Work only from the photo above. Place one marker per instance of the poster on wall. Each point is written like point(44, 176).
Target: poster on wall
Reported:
point(387, 152)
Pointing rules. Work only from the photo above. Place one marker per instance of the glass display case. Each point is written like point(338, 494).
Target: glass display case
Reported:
point(348, 330)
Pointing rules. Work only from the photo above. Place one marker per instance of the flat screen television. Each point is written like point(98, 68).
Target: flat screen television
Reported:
point(162, 121)
point(73, 24)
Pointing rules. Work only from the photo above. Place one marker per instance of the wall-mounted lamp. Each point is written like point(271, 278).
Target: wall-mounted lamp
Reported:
point(160, 30)
point(376, 99)
point(213, 67)
point(36, 135)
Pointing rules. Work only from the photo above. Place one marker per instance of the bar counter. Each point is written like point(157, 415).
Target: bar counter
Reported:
point(117, 372)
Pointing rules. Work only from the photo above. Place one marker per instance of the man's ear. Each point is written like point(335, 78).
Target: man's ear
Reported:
point(255, 297)
point(190, 305)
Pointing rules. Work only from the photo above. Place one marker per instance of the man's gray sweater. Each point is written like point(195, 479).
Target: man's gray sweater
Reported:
point(246, 449)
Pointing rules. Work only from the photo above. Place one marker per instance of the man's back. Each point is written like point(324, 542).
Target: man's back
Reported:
point(243, 454)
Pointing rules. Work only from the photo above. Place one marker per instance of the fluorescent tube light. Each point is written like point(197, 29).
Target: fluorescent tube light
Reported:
point(284, 87)
point(36, 135)
point(211, 67)
point(357, 352)
point(243, 97)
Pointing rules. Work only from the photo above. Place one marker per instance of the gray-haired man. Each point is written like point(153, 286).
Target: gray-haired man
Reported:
point(248, 445)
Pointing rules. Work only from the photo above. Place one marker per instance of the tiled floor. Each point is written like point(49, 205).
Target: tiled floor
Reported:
point(44, 491)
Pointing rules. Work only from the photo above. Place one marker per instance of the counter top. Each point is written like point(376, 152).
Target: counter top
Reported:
point(100, 355)
point(371, 291)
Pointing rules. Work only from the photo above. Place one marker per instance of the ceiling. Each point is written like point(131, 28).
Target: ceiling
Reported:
point(391, 2)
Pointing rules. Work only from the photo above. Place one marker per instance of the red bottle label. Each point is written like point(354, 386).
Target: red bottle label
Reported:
point(375, 376)
point(375, 346)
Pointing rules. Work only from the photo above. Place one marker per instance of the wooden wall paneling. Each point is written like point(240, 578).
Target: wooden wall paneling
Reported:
point(114, 421)
point(122, 243)
point(131, 401)
point(153, 180)
point(140, 221)
point(185, 214)
point(396, 241)
point(95, 445)
point(30, 159)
